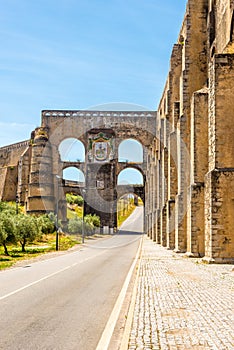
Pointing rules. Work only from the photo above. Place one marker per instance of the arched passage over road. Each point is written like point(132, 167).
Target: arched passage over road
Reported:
point(99, 135)
point(131, 180)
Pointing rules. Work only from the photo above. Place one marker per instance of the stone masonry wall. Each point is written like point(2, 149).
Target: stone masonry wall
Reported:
point(9, 159)
point(224, 110)
point(10, 185)
point(197, 103)
point(189, 144)
point(219, 206)
point(10, 155)
point(199, 167)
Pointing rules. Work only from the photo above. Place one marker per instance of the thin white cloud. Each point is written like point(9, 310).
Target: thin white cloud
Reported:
point(14, 132)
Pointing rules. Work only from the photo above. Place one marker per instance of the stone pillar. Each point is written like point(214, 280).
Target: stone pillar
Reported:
point(147, 224)
point(219, 181)
point(180, 224)
point(41, 182)
point(199, 167)
point(23, 175)
point(150, 225)
point(154, 226)
point(170, 212)
point(195, 221)
point(181, 197)
point(157, 222)
point(163, 227)
point(172, 184)
point(101, 195)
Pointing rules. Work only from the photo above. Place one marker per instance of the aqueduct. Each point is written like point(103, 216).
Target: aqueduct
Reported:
point(188, 147)
point(41, 184)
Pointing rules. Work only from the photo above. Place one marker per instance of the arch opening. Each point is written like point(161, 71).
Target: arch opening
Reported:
point(73, 182)
point(72, 150)
point(130, 176)
point(72, 174)
point(126, 205)
point(130, 151)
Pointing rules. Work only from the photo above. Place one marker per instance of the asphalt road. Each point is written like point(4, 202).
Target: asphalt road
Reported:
point(65, 302)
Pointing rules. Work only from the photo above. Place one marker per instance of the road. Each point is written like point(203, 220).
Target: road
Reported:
point(64, 303)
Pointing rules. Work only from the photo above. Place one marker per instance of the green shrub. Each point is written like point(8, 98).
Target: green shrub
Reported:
point(73, 199)
point(26, 229)
point(70, 198)
point(78, 200)
point(7, 230)
point(92, 220)
point(6, 207)
point(46, 223)
point(75, 225)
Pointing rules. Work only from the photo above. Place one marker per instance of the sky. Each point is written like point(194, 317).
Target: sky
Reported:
point(75, 54)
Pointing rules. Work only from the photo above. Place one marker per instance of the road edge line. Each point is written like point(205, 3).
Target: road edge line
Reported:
point(106, 336)
point(128, 324)
point(46, 277)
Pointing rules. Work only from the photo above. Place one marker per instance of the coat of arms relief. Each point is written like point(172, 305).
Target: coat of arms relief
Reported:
point(101, 148)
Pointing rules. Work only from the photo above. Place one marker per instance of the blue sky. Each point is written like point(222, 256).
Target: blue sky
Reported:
point(72, 54)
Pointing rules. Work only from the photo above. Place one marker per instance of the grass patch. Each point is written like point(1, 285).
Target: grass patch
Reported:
point(67, 241)
point(75, 211)
point(44, 245)
point(79, 211)
point(5, 265)
point(124, 214)
point(70, 214)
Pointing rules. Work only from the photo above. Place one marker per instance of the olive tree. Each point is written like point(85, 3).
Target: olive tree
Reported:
point(26, 229)
point(46, 224)
point(7, 230)
point(75, 225)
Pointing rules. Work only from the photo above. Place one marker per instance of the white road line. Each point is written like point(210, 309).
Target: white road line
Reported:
point(110, 326)
point(48, 276)
point(128, 324)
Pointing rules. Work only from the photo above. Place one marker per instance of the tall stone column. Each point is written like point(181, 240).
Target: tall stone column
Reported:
point(41, 183)
point(199, 167)
point(181, 199)
point(219, 181)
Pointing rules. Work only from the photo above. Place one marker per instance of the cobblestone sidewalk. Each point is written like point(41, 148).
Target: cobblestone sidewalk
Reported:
point(182, 303)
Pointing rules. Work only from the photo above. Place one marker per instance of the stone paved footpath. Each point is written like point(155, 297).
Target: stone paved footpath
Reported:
point(182, 303)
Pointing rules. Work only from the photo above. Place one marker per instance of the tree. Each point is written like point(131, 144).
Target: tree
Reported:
point(96, 220)
point(75, 225)
point(7, 230)
point(78, 200)
point(26, 229)
point(46, 223)
point(90, 222)
point(6, 207)
point(74, 199)
point(70, 198)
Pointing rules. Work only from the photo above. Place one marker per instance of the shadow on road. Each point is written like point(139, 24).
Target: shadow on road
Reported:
point(129, 233)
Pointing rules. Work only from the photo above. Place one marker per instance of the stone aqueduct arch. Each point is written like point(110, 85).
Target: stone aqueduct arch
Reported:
point(190, 166)
point(46, 187)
